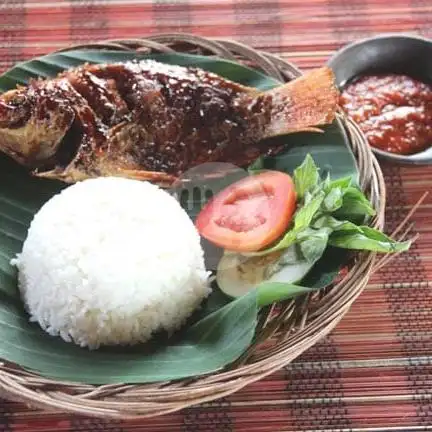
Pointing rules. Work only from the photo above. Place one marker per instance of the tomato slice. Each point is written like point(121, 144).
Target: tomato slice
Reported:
point(249, 214)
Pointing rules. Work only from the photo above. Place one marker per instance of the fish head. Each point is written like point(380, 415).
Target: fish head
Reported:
point(32, 125)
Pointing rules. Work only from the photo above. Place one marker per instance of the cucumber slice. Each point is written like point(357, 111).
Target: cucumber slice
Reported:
point(238, 274)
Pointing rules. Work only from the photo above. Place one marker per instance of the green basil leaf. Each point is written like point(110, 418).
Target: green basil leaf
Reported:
point(307, 198)
point(313, 243)
point(287, 240)
point(335, 224)
point(368, 239)
point(343, 183)
point(306, 177)
point(326, 183)
point(374, 233)
point(354, 204)
point(333, 200)
point(305, 214)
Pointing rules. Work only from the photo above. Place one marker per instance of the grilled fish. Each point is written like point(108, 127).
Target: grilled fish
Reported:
point(152, 121)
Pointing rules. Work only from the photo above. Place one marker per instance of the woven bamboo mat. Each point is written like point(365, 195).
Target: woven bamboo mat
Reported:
point(374, 372)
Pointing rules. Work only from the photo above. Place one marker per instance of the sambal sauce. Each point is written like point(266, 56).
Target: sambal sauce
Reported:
point(393, 111)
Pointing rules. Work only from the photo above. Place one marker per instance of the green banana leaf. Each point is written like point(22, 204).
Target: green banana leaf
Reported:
point(220, 332)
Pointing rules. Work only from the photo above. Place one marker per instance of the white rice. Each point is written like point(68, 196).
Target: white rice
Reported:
point(110, 261)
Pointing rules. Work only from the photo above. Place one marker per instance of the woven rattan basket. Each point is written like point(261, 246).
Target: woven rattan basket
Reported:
point(296, 326)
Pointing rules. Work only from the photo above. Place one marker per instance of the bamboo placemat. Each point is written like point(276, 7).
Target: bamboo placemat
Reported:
point(374, 372)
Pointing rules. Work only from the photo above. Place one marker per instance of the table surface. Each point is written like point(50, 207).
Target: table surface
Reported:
point(374, 372)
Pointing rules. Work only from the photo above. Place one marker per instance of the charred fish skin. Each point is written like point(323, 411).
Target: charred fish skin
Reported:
point(153, 121)
point(187, 116)
point(101, 95)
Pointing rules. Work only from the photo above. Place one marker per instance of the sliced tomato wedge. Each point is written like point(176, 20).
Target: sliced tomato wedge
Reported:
point(249, 214)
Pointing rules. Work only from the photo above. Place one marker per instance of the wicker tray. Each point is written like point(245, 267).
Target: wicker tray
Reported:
point(298, 325)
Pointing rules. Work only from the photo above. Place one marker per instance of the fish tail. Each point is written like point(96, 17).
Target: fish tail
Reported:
point(303, 103)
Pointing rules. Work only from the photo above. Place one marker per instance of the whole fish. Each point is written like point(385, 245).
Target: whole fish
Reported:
point(152, 121)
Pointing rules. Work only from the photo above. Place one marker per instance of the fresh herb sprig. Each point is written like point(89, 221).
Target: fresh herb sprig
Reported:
point(331, 213)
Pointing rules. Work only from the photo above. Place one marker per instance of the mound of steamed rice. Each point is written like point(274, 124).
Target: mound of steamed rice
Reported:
point(111, 261)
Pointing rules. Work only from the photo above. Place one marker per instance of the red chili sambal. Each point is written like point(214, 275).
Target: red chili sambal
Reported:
point(393, 111)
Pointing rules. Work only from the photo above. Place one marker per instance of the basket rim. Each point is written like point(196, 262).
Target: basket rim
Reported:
point(114, 401)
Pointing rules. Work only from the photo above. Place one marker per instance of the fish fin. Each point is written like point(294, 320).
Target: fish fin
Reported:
point(307, 101)
point(64, 175)
point(159, 178)
point(73, 175)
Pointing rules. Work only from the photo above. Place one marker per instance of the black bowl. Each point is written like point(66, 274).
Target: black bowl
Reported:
point(388, 53)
